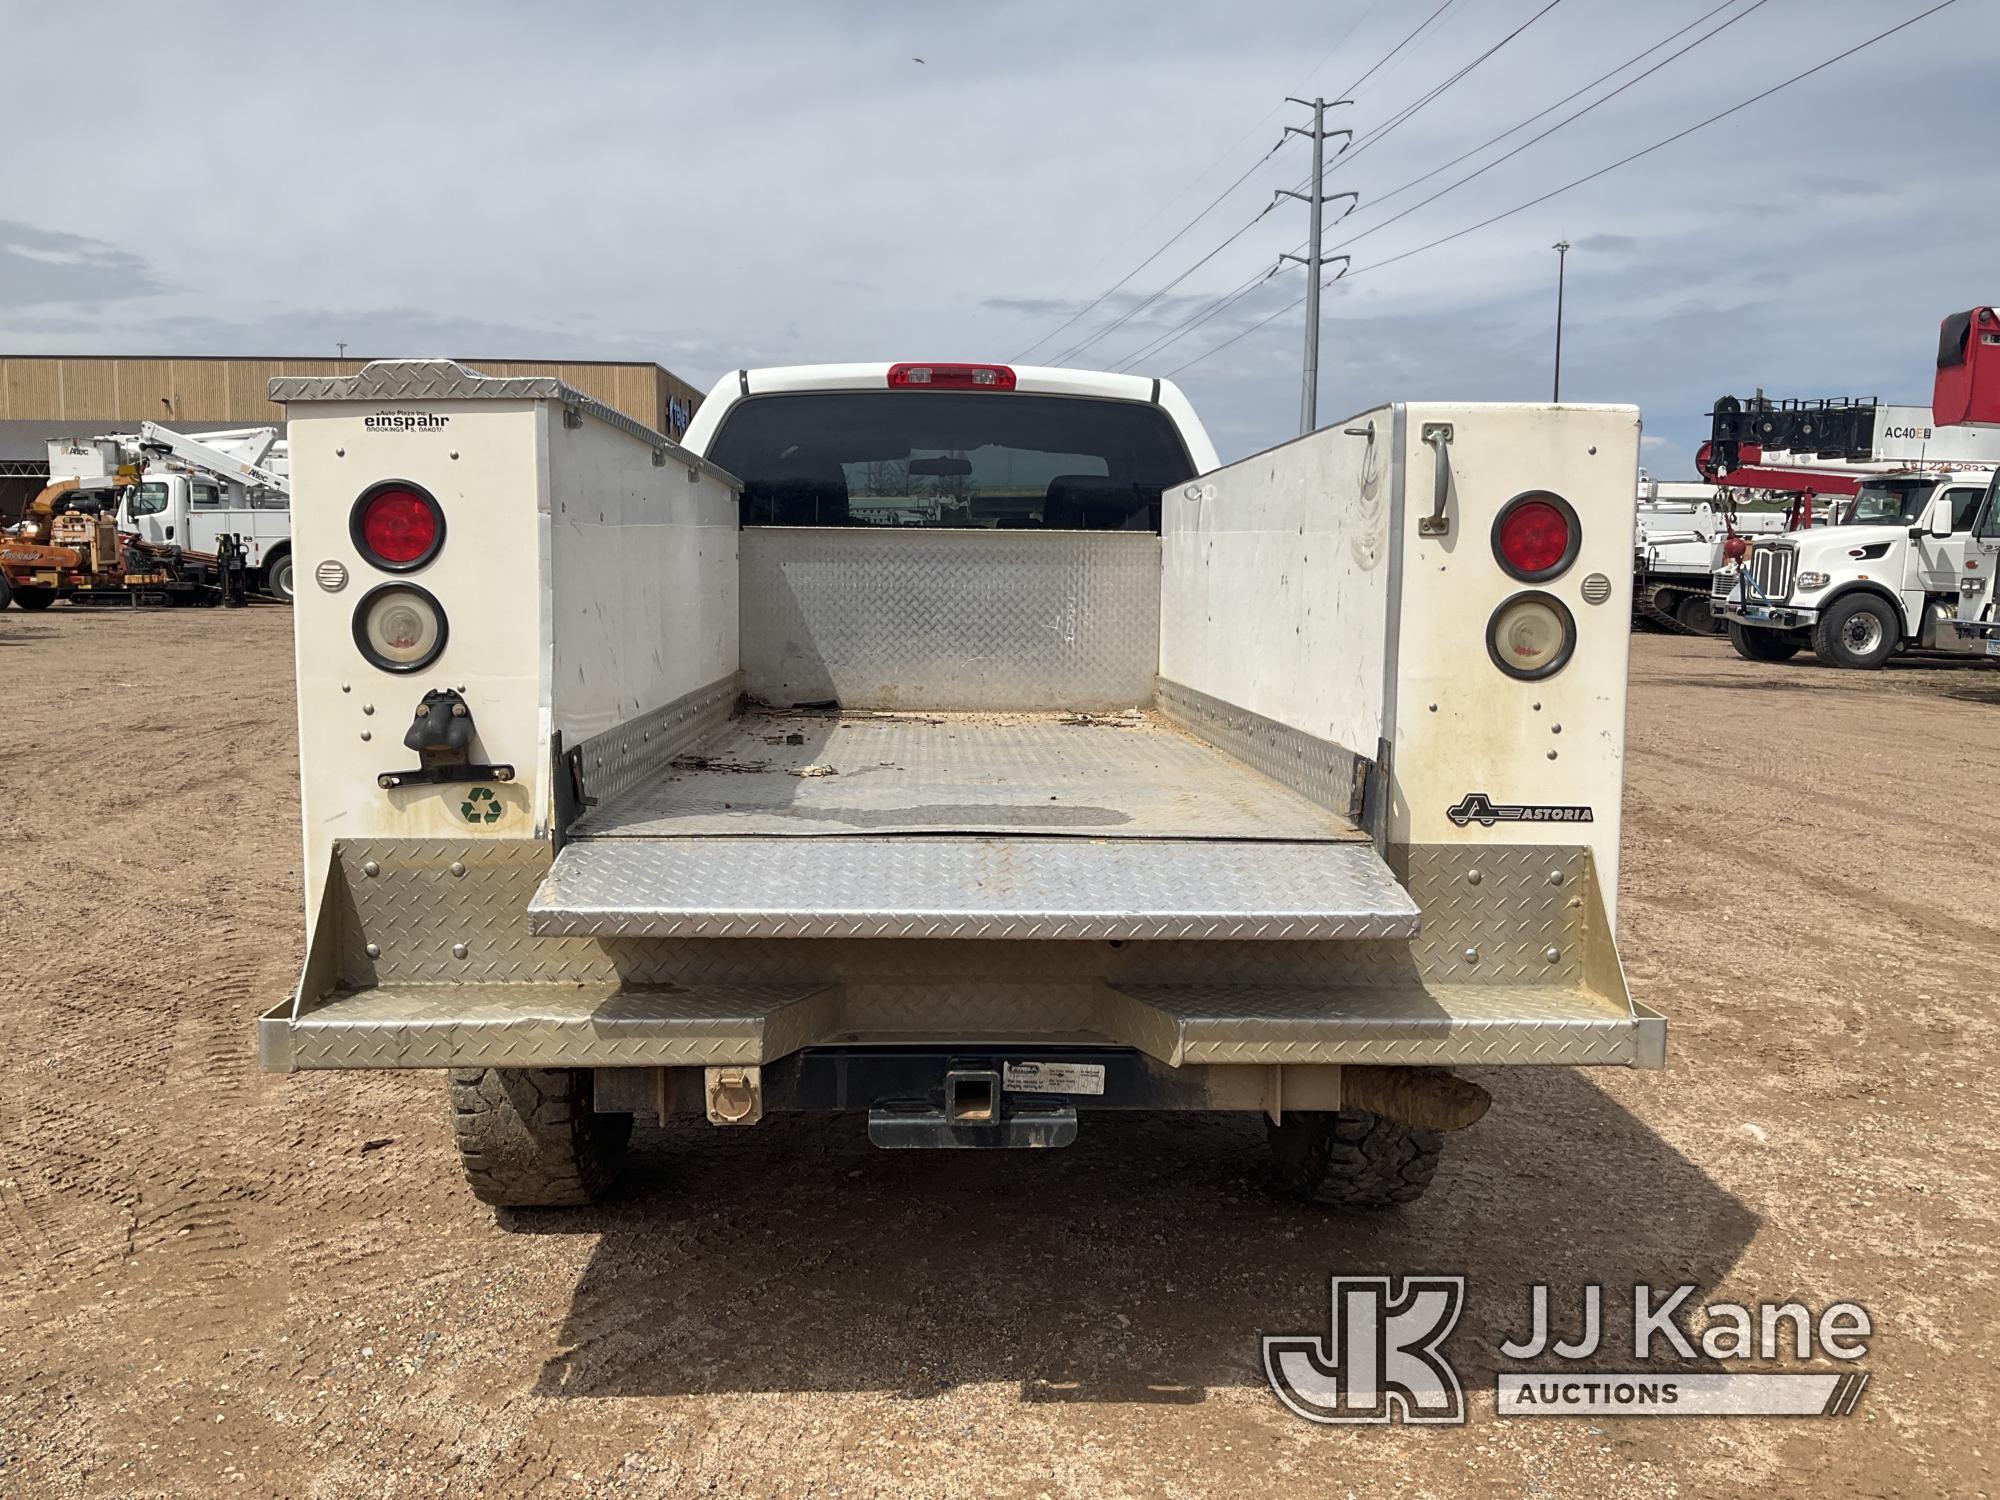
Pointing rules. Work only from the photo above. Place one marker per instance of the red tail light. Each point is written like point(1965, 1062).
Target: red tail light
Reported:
point(397, 526)
point(1536, 536)
point(950, 378)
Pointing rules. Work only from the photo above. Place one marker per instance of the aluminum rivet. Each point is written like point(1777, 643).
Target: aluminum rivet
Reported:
point(458, 710)
point(1472, 955)
point(370, 869)
point(458, 867)
point(1552, 755)
point(458, 950)
point(368, 708)
point(1434, 708)
point(1538, 708)
point(1555, 729)
point(340, 453)
point(1593, 450)
point(374, 950)
point(1552, 954)
point(454, 453)
point(366, 736)
point(1555, 877)
point(347, 687)
point(1473, 877)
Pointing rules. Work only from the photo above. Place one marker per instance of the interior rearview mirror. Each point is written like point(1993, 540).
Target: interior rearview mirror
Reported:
point(941, 468)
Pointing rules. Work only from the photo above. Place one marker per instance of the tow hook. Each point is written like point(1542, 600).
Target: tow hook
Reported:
point(442, 737)
point(735, 1095)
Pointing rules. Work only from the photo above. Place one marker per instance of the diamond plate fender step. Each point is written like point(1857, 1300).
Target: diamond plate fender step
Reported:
point(1454, 1025)
point(545, 1026)
point(970, 888)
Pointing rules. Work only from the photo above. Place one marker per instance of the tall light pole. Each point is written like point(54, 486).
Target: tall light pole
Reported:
point(1312, 259)
point(1561, 248)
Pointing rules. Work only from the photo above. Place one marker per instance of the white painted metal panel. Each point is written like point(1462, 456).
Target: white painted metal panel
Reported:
point(1461, 725)
point(486, 465)
point(1275, 589)
point(643, 562)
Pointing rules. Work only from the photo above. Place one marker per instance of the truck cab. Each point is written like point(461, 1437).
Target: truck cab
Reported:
point(1885, 578)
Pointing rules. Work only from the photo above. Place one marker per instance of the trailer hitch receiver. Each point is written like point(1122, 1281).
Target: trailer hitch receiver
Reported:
point(442, 737)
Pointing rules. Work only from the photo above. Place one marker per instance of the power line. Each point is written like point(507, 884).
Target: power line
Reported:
point(1379, 199)
point(1227, 152)
point(1109, 291)
point(1561, 124)
point(1099, 299)
point(1611, 73)
point(1139, 307)
point(1422, 27)
point(1592, 176)
point(1209, 310)
point(1410, 110)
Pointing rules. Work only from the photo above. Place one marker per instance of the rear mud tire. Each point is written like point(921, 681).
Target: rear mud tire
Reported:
point(527, 1137)
point(1859, 632)
point(1352, 1159)
point(33, 596)
point(1753, 644)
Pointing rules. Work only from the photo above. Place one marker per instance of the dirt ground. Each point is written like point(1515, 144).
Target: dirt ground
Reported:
point(213, 1280)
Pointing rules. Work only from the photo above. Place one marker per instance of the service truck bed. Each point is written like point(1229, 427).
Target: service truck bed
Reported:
point(799, 824)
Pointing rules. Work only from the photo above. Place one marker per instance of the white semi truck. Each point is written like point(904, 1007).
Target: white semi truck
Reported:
point(664, 780)
point(1978, 620)
point(1884, 580)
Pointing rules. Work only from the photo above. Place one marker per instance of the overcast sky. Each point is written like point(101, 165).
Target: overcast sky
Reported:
point(762, 183)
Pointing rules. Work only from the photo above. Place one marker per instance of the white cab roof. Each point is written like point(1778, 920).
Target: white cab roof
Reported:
point(1043, 380)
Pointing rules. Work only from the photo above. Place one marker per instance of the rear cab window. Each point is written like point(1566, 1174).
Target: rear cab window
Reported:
point(951, 459)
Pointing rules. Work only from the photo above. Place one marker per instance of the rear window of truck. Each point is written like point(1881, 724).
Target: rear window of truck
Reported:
point(951, 459)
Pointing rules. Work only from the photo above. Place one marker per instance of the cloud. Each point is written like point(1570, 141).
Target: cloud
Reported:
point(40, 267)
point(803, 192)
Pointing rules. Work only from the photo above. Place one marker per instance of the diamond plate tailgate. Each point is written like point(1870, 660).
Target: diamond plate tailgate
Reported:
point(970, 888)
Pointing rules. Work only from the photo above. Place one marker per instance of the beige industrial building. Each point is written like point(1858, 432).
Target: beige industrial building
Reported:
point(44, 396)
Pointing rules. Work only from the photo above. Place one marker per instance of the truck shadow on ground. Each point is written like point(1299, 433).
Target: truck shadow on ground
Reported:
point(1139, 1265)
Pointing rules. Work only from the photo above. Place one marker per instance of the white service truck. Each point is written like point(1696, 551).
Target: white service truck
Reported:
point(1885, 579)
point(694, 780)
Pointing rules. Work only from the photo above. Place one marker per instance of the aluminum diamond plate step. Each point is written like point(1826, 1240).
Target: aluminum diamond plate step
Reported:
point(547, 1026)
point(1445, 1024)
point(970, 888)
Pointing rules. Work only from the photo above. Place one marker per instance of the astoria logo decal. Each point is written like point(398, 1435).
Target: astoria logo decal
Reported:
point(1481, 809)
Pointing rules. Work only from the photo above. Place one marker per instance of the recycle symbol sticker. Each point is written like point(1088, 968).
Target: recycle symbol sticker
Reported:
point(481, 806)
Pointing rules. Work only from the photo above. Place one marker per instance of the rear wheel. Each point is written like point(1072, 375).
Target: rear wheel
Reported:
point(278, 579)
point(1753, 644)
point(1858, 631)
point(34, 596)
point(528, 1137)
point(1351, 1158)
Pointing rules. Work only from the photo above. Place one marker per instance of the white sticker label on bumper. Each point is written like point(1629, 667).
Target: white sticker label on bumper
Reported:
point(1053, 1078)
